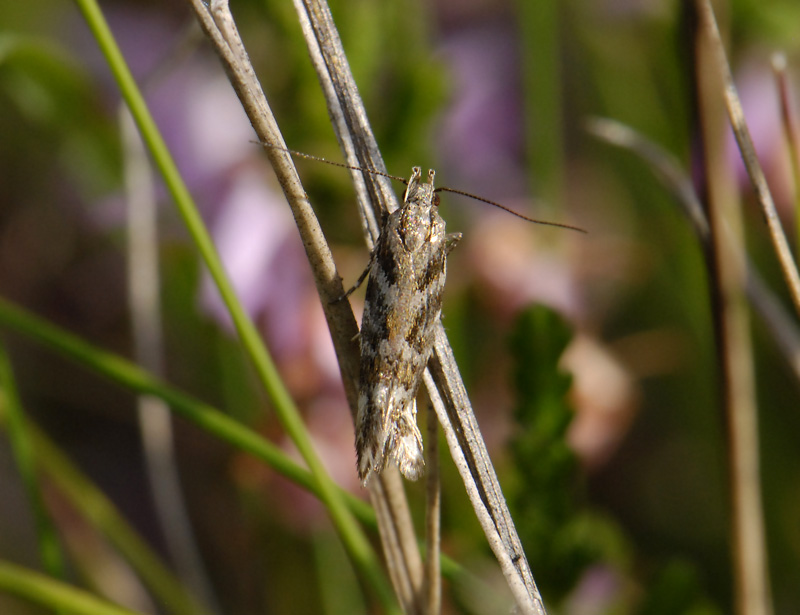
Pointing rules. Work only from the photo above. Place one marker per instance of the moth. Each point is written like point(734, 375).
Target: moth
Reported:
point(403, 304)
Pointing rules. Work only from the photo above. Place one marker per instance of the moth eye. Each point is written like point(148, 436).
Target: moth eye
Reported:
point(435, 200)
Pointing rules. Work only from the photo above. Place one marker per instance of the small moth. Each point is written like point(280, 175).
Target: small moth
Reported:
point(403, 303)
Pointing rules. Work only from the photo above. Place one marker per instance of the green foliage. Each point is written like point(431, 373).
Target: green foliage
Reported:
point(48, 105)
point(676, 589)
point(59, 154)
point(563, 535)
point(559, 536)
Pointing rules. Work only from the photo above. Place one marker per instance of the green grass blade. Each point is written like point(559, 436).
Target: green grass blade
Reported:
point(103, 515)
point(42, 590)
point(539, 25)
point(356, 543)
point(93, 504)
point(125, 373)
point(18, 434)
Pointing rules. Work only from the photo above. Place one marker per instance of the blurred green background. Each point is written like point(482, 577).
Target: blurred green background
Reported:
point(589, 358)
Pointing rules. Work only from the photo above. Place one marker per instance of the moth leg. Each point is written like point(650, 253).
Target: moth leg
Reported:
point(360, 280)
point(451, 241)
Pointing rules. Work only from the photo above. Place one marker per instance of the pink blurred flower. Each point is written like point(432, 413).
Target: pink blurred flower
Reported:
point(599, 591)
point(256, 239)
point(480, 138)
point(211, 140)
point(606, 397)
point(506, 259)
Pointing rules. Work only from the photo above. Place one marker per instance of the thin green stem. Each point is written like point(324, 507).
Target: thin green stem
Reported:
point(19, 436)
point(103, 515)
point(356, 543)
point(121, 371)
point(94, 504)
point(543, 106)
point(54, 594)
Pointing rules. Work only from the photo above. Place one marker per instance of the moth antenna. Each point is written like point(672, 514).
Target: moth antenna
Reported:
point(405, 181)
point(511, 211)
point(331, 162)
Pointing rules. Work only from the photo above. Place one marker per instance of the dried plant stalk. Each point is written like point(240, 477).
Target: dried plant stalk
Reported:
point(217, 22)
point(748, 151)
point(433, 577)
point(791, 130)
point(458, 421)
point(751, 579)
point(778, 321)
point(376, 196)
point(394, 521)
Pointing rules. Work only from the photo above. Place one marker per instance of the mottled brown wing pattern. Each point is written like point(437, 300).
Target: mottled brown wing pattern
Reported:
point(403, 303)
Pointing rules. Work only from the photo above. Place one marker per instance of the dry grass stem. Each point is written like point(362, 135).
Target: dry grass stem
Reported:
point(333, 69)
point(727, 279)
point(397, 539)
point(375, 195)
point(791, 130)
point(394, 520)
point(155, 419)
point(369, 188)
point(480, 479)
point(480, 503)
point(745, 142)
point(433, 577)
point(360, 149)
point(782, 329)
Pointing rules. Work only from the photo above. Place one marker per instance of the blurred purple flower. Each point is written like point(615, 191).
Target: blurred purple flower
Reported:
point(518, 272)
point(255, 237)
point(211, 140)
point(481, 136)
point(194, 106)
point(481, 144)
point(598, 591)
